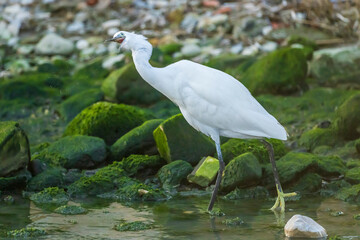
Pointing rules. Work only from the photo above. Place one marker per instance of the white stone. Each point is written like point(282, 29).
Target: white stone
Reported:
point(76, 27)
point(269, 46)
point(111, 61)
point(304, 227)
point(250, 50)
point(112, 31)
point(111, 24)
point(209, 21)
point(82, 44)
point(53, 44)
point(237, 48)
point(190, 50)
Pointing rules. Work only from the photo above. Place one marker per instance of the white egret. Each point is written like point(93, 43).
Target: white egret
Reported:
point(211, 101)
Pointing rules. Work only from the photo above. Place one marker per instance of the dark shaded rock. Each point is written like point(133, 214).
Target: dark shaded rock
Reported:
point(280, 72)
point(142, 164)
point(331, 188)
point(21, 89)
point(223, 62)
point(14, 148)
point(173, 173)
point(16, 180)
point(348, 118)
point(257, 192)
point(308, 183)
point(176, 139)
point(235, 147)
point(69, 108)
point(106, 120)
point(139, 140)
point(52, 177)
point(204, 172)
point(244, 170)
point(52, 195)
point(125, 85)
point(74, 152)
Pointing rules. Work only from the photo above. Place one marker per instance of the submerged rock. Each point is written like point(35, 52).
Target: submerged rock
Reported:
point(257, 192)
point(280, 72)
point(244, 170)
point(176, 139)
point(52, 195)
point(14, 148)
point(204, 172)
point(304, 227)
point(74, 152)
point(53, 44)
point(26, 233)
point(139, 140)
point(132, 226)
point(70, 210)
point(125, 85)
point(348, 118)
point(173, 173)
point(142, 164)
point(106, 120)
point(233, 222)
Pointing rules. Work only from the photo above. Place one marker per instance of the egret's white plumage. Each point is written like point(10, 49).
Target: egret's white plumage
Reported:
point(213, 102)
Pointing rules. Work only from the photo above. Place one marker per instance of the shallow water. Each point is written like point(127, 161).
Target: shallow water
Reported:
point(180, 218)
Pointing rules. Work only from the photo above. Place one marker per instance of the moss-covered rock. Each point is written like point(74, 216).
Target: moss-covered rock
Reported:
point(176, 139)
point(91, 71)
point(329, 189)
point(233, 222)
point(142, 164)
point(170, 48)
point(293, 39)
point(70, 210)
point(280, 72)
point(52, 195)
point(349, 194)
point(14, 148)
point(108, 121)
point(69, 108)
point(16, 180)
point(164, 109)
point(132, 226)
point(132, 190)
point(318, 137)
point(244, 170)
point(52, 177)
point(125, 85)
point(235, 147)
point(353, 175)
point(357, 146)
point(12, 90)
point(74, 152)
point(139, 140)
point(329, 166)
point(26, 233)
point(173, 173)
point(104, 180)
point(308, 183)
point(348, 118)
point(257, 192)
point(204, 172)
point(226, 61)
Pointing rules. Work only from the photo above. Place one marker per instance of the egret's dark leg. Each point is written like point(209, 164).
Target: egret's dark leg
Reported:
point(280, 202)
point(219, 176)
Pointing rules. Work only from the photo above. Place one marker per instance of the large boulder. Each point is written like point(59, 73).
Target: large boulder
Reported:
point(173, 173)
point(76, 151)
point(16, 180)
point(176, 139)
point(52, 177)
point(348, 118)
point(69, 108)
point(106, 120)
point(139, 140)
point(280, 72)
point(244, 170)
point(235, 147)
point(204, 172)
point(125, 85)
point(14, 148)
point(53, 44)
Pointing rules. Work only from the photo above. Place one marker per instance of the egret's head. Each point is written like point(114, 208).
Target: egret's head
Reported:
point(129, 41)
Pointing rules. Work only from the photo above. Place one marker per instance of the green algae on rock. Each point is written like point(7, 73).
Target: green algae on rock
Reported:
point(125, 85)
point(14, 148)
point(104, 180)
point(308, 183)
point(173, 173)
point(26, 233)
point(69, 108)
point(233, 222)
point(235, 147)
point(51, 195)
point(204, 172)
point(91, 71)
point(132, 226)
point(75, 151)
point(348, 118)
point(244, 170)
point(70, 210)
point(329, 189)
point(318, 137)
point(176, 139)
point(280, 72)
point(106, 120)
point(139, 140)
point(170, 48)
point(353, 175)
point(51, 177)
point(349, 194)
point(257, 192)
point(142, 164)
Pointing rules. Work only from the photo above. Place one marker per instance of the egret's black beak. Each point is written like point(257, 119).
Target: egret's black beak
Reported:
point(110, 40)
point(115, 39)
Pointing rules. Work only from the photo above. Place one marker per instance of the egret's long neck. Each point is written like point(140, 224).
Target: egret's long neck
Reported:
point(154, 76)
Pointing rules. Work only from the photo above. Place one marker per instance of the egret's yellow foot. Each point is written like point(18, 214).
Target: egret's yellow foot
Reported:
point(280, 201)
